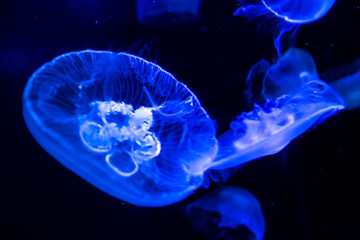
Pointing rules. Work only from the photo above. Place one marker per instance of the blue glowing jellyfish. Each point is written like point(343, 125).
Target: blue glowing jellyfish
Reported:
point(349, 88)
point(269, 128)
point(301, 99)
point(228, 213)
point(291, 72)
point(292, 12)
point(123, 124)
point(167, 12)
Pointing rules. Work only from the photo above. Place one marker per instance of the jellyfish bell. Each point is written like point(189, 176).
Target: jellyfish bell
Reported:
point(292, 13)
point(122, 123)
point(299, 11)
point(269, 128)
point(229, 212)
point(349, 88)
point(291, 72)
point(294, 100)
point(167, 12)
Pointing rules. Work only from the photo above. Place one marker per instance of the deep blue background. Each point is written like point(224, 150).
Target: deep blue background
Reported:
point(308, 191)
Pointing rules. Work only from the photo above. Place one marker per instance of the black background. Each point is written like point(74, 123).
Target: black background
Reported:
point(310, 190)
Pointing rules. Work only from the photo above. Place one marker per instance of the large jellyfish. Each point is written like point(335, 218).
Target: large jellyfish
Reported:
point(123, 124)
point(295, 99)
point(292, 12)
point(228, 213)
point(167, 12)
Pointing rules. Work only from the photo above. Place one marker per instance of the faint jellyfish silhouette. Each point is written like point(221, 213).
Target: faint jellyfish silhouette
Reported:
point(167, 12)
point(228, 213)
point(291, 72)
point(123, 124)
point(349, 88)
point(292, 12)
point(300, 101)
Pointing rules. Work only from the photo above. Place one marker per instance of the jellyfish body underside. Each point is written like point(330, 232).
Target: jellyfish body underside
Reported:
point(121, 123)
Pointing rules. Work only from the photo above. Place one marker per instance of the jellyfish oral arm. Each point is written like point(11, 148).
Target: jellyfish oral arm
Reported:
point(120, 125)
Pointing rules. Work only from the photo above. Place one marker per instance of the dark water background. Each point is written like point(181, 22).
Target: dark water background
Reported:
point(310, 190)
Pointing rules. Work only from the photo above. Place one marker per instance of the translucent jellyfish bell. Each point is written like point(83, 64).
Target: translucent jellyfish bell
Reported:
point(269, 128)
point(167, 12)
point(228, 213)
point(349, 88)
point(295, 100)
point(299, 11)
point(123, 124)
point(291, 72)
point(292, 12)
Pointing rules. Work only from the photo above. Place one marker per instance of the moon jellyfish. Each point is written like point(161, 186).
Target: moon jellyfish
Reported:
point(122, 123)
point(291, 12)
point(349, 88)
point(291, 71)
point(228, 213)
point(269, 128)
point(166, 12)
point(301, 99)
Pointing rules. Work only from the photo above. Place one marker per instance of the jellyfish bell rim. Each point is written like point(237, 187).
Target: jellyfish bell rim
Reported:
point(40, 131)
point(286, 18)
point(321, 14)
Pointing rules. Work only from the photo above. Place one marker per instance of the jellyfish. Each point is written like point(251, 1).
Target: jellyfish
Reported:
point(269, 128)
point(295, 99)
point(229, 212)
point(349, 88)
point(291, 72)
point(121, 123)
point(292, 13)
point(167, 12)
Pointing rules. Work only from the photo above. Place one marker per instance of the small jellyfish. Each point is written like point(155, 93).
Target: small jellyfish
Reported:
point(292, 12)
point(291, 72)
point(167, 12)
point(122, 123)
point(228, 213)
point(301, 100)
point(349, 88)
